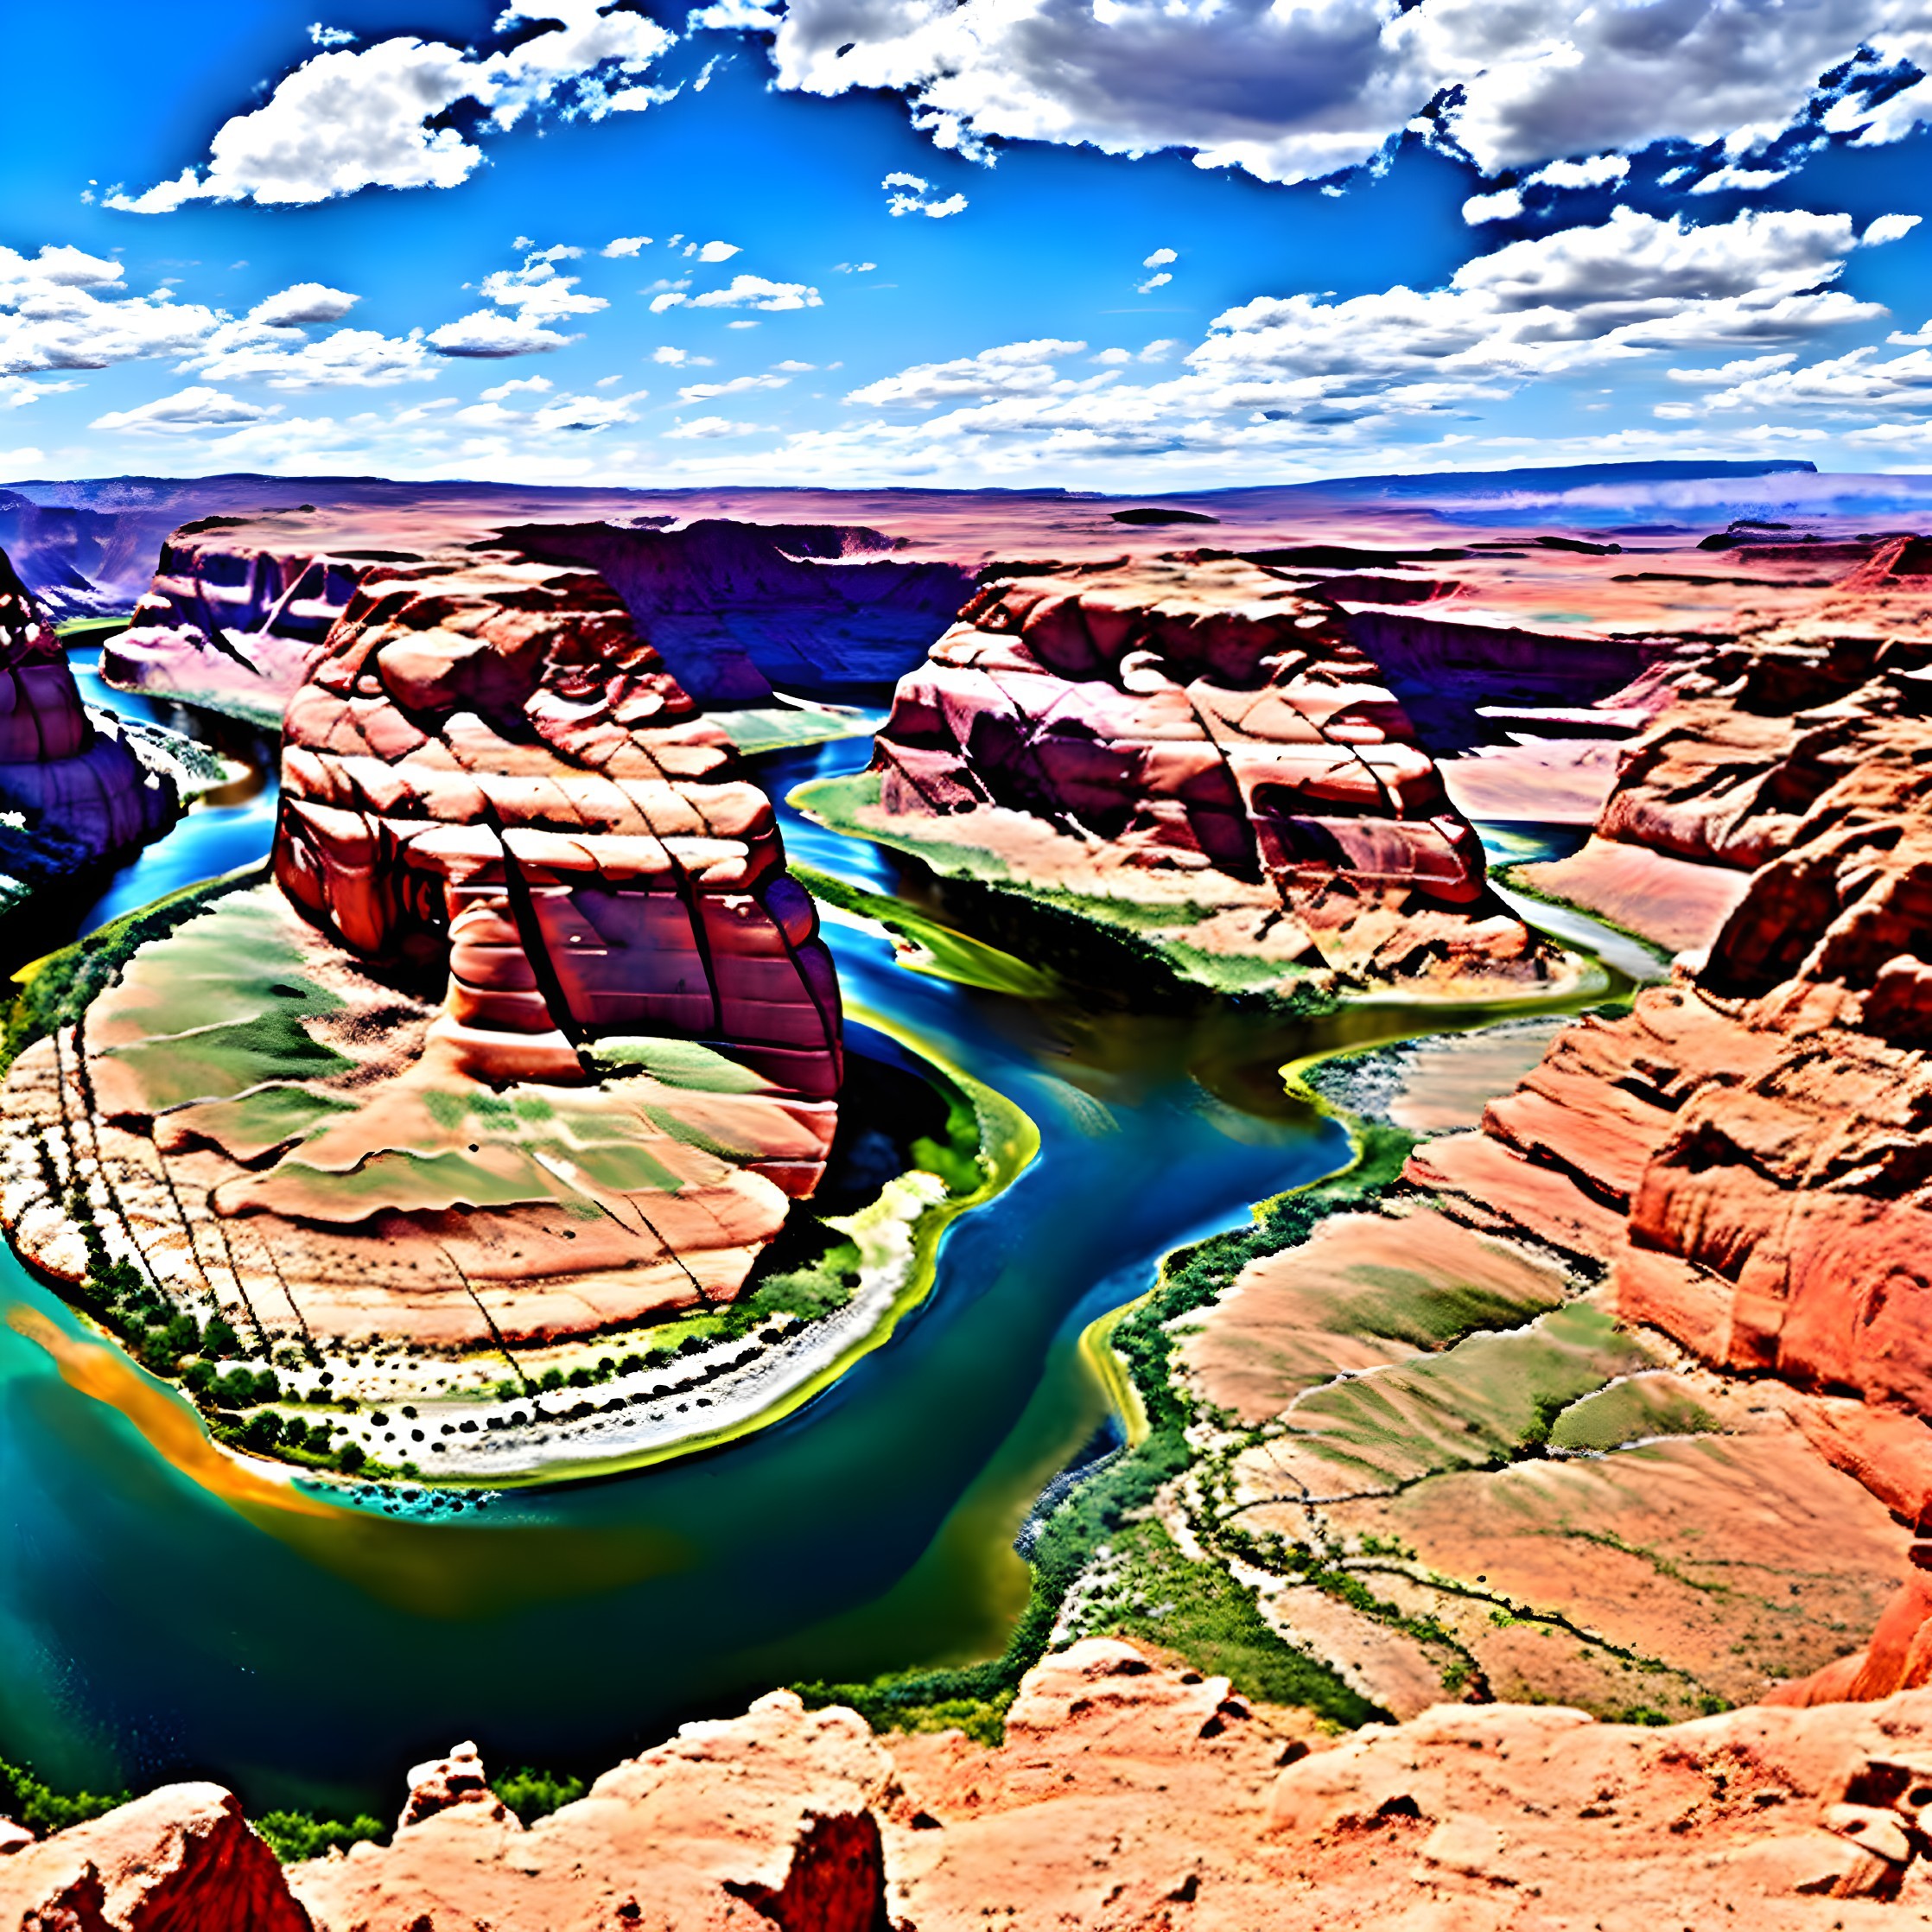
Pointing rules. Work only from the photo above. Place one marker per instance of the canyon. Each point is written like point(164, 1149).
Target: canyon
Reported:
point(1574, 1443)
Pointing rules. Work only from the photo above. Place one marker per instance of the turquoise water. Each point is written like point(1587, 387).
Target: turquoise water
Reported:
point(149, 1627)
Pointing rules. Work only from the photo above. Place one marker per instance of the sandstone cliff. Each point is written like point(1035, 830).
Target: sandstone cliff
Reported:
point(491, 785)
point(70, 772)
point(1203, 742)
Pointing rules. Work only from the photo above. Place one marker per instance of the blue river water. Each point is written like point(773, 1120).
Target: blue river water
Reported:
point(149, 1627)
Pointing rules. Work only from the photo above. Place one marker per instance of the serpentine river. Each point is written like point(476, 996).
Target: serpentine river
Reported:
point(151, 1626)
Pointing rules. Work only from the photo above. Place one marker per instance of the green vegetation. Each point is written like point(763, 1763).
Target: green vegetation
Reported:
point(783, 728)
point(1222, 1628)
point(30, 1802)
point(294, 1836)
point(533, 1794)
point(1632, 1410)
point(1090, 938)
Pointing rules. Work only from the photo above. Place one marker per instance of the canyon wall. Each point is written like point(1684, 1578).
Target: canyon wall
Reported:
point(71, 775)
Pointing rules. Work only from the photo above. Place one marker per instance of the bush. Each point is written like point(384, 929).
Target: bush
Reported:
point(29, 1801)
point(296, 1835)
point(533, 1794)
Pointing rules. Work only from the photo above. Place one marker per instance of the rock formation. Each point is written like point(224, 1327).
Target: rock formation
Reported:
point(1746, 1153)
point(180, 1859)
point(1196, 734)
point(70, 772)
point(487, 779)
point(231, 622)
point(1129, 1796)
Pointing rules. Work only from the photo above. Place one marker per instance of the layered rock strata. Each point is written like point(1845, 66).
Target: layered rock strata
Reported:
point(631, 1073)
point(231, 620)
point(1746, 1155)
point(1129, 1796)
point(69, 770)
point(1195, 735)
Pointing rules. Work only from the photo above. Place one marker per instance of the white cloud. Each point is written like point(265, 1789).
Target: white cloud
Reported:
point(285, 359)
point(679, 358)
point(536, 385)
point(794, 368)
point(854, 268)
point(1889, 228)
point(488, 334)
point(754, 291)
point(1153, 282)
point(1747, 180)
point(911, 194)
point(1858, 383)
point(330, 36)
point(1295, 92)
point(1733, 372)
point(343, 121)
point(1161, 258)
point(1597, 171)
point(188, 412)
point(303, 301)
point(716, 251)
point(66, 310)
point(1505, 205)
point(1015, 369)
point(624, 246)
point(707, 392)
point(707, 428)
point(15, 460)
point(586, 413)
point(671, 298)
point(536, 293)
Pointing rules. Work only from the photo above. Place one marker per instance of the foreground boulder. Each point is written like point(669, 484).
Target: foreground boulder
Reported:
point(1130, 1795)
point(180, 1859)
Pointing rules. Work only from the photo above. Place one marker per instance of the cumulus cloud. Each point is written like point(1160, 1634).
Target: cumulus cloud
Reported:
point(303, 301)
point(706, 429)
point(488, 334)
point(1015, 369)
point(1505, 205)
point(1291, 374)
point(1161, 258)
point(1292, 93)
point(285, 359)
point(911, 194)
point(1859, 383)
point(679, 358)
point(64, 308)
point(707, 392)
point(714, 250)
point(1596, 171)
point(536, 385)
point(754, 291)
point(624, 246)
point(586, 415)
point(1745, 180)
point(374, 117)
point(188, 412)
point(538, 293)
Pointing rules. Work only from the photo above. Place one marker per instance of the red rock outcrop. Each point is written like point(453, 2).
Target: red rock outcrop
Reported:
point(1197, 731)
point(71, 774)
point(1132, 1796)
point(488, 779)
point(232, 616)
point(180, 1859)
point(1748, 1151)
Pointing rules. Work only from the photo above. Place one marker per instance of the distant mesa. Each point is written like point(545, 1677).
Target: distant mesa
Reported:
point(1161, 514)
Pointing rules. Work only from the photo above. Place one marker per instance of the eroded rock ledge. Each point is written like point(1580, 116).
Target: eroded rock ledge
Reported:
point(1128, 1795)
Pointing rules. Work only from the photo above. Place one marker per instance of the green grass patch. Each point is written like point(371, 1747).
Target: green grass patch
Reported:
point(1636, 1409)
point(295, 1836)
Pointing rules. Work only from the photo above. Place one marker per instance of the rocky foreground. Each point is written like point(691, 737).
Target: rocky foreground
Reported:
point(1130, 1795)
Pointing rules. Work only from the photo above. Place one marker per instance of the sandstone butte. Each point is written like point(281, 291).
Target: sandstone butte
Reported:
point(1130, 1796)
point(71, 775)
point(1196, 738)
point(493, 792)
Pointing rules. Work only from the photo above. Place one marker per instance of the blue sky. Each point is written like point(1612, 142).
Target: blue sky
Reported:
point(1114, 244)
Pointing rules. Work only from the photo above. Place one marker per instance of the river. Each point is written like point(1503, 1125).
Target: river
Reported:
point(307, 1653)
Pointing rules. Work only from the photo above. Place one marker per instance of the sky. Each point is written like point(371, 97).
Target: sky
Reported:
point(1123, 245)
